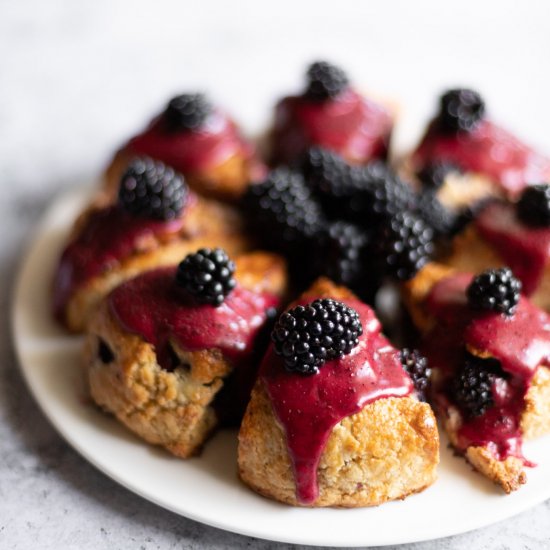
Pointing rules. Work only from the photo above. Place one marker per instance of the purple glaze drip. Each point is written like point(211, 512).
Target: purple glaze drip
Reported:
point(191, 151)
point(488, 150)
point(351, 125)
point(526, 250)
point(309, 407)
point(108, 236)
point(153, 306)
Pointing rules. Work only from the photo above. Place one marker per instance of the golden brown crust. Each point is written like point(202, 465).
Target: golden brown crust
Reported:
point(387, 451)
point(535, 418)
point(226, 182)
point(171, 409)
point(207, 223)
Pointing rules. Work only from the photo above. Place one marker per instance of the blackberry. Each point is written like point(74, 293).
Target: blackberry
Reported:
point(471, 387)
point(433, 175)
point(438, 217)
point(282, 211)
point(186, 112)
point(495, 290)
point(460, 110)
point(325, 81)
point(416, 366)
point(207, 275)
point(533, 207)
point(339, 252)
point(404, 245)
point(150, 189)
point(307, 336)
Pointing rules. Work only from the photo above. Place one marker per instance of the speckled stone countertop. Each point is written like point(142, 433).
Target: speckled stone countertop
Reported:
point(76, 77)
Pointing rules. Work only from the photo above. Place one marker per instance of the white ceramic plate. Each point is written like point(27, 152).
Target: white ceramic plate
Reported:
point(207, 488)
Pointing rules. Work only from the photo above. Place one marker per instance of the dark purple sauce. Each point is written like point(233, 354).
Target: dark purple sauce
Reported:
point(520, 343)
point(152, 306)
point(309, 407)
point(488, 150)
point(525, 249)
point(192, 150)
point(108, 236)
point(351, 125)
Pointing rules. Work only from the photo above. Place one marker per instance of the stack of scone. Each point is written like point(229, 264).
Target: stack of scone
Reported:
point(219, 288)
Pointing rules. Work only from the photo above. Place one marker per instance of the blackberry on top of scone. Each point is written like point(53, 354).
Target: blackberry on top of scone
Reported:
point(512, 234)
point(173, 352)
point(488, 347)
point(332, 114)
point(155, 220)
point(197, 139)
point(321, 429)
point(469, 157)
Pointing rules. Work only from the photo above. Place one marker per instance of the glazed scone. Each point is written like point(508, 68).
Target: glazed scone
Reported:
point(514, 235)
point(331, 114)
point(483, 159)
point(110, 244)
point(306, 440)
point(198, 140)
point(508, 354)
point(172, 386)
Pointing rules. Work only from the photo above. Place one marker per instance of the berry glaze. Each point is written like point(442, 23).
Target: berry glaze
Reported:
point(189, 151)
point(525, 249)
point(354, 127)
point(153, 306)
point(521, 343)
point(308, 407)
point(488, 150)
point(108, 236)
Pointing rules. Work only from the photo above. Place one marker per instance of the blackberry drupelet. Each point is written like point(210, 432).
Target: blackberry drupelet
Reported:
point(495, 290)
point(437, 216)
point(533, 207)
point(339, 253)
point(207, 275)
point(150, 189)
point(471, 386)
point(460, 110)
point(404, 245)
point(186, 112)
point(282, 211)
point(307, 336)
point(416, 366)
point(433, 175)
point(325, 81)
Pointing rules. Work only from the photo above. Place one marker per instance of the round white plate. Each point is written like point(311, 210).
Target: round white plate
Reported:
point(207, 488)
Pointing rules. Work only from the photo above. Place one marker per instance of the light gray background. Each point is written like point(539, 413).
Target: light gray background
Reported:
point(77, 77)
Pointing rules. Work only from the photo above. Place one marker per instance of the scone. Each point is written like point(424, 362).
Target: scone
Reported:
point(516, 235)
point(155, 222)
point(470, 158)
point(198, 140)
point(172, 353)
point(330, 114)
point(334, 419)
point(489, 349)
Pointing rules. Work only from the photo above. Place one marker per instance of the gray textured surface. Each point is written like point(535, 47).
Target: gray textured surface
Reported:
point(66, 69)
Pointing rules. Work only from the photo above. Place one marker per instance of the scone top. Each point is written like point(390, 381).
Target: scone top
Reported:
point(331, 114)
point(310, 395)
point(462, 135)
point(151, 206)
point(192, 135)
point(486, 343)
